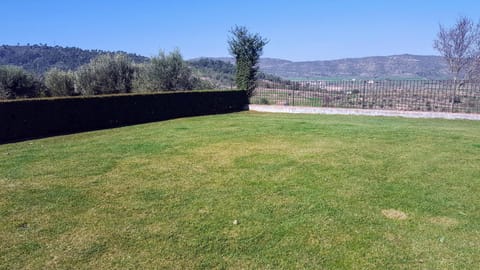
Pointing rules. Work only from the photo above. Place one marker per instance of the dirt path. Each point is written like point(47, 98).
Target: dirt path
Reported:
point(318, 110)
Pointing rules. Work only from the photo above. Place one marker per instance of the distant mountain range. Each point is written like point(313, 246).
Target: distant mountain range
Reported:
point(39, 58)
point(405, 66)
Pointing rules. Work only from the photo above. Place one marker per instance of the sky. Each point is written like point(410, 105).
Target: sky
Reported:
point(297, 30)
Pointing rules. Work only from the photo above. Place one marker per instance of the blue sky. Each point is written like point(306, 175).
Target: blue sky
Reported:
point(297, 29)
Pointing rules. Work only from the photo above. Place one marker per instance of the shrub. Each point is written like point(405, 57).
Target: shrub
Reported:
point(166, 72)
point(15, 82)
point(106, 74)
point(60, 83)
point(31, 118)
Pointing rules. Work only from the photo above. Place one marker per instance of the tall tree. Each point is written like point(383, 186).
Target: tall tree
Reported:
point(246, 48)
point(475, 70)
point(458, 46)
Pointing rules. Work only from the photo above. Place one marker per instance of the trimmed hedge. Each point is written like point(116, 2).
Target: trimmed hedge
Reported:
point(33, 118)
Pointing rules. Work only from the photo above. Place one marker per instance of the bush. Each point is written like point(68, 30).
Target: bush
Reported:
point(43, 117)
point(60, 83)
point(15, 82)
point(167, 73)
point(106, 74)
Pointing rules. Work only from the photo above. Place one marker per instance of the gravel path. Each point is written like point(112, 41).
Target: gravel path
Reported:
point(317, 110)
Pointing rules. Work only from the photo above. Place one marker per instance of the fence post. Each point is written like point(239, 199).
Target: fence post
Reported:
point(452, 105)
point(363, 96)
point(293, 95)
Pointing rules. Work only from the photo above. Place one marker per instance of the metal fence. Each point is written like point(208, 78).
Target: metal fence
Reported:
point(408, 95)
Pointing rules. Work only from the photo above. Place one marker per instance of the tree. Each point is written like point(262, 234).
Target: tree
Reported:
point(166, 73)
point(246, 48)
point(39, 58)
point(106, 74)
point(460, 46)
point(15, 82)
point(60, 83)
point(475, 70)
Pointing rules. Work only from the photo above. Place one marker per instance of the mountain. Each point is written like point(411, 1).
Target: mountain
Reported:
point(40, 58)
point(395, 66)
point(404, 66)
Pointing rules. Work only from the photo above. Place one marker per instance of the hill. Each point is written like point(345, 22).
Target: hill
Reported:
point(40, 58)
point(404, 66)
point(221, 71)
point(218, 72)
point(395, 66)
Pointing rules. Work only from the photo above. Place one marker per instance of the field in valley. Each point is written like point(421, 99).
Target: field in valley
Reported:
point(407, 95)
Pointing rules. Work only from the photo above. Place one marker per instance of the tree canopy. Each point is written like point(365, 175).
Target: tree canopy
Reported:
point(15, 82)
point(246, 48)
point(460, 46)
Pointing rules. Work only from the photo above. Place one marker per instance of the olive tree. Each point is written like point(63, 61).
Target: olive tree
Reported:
point(60, 83)
point(165, 72)
point(246, 48)
point(106, 74)
point(15, 82)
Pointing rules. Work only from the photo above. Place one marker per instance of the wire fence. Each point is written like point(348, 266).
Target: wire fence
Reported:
point(407, 95)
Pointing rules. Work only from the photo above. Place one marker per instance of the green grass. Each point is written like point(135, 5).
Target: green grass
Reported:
point(307, 190)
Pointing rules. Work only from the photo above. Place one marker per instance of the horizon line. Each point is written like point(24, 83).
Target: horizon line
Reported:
point(213, 57)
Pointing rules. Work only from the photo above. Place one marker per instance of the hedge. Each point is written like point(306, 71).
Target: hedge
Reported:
point(33, 118)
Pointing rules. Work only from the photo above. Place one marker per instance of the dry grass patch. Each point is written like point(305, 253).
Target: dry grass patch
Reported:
point(444, 221)
point(394, 214)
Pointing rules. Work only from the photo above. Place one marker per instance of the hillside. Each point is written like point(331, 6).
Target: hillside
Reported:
point(404, 66)
point(396, 66)
point(221, 71)
point(40, 58)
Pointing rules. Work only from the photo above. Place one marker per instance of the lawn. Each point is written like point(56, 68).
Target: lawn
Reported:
point(246, 191)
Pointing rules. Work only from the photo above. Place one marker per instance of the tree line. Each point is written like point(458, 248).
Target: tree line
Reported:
point(110, 73)
point(39, 58)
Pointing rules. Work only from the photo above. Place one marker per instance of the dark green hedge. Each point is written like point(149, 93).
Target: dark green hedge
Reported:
point(33, 118)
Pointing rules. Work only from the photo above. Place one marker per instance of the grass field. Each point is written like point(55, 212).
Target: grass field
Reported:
point(246, 191)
